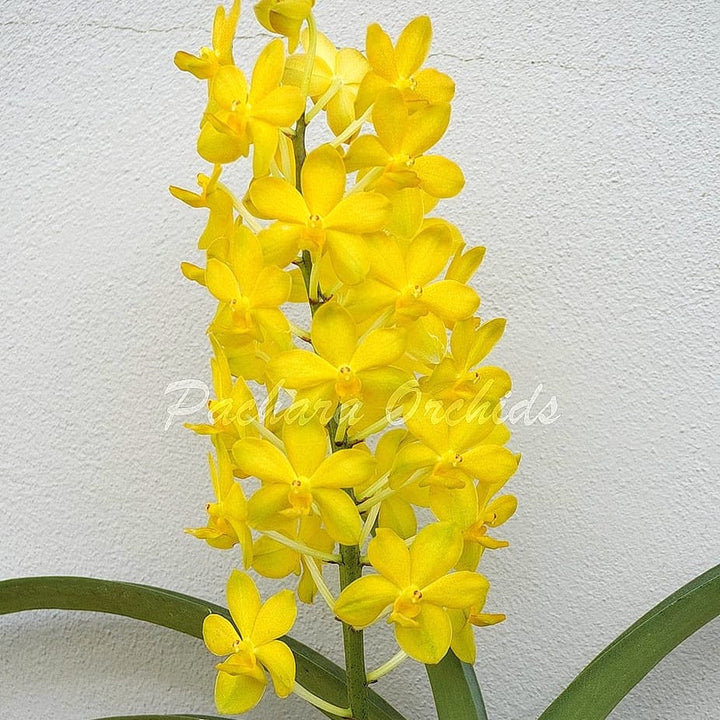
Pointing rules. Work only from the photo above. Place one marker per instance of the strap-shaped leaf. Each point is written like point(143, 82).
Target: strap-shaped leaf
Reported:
point(456, 690)
point(177, 612)
point(621, 665)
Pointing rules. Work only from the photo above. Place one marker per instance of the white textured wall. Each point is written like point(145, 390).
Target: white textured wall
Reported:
point(588, 134)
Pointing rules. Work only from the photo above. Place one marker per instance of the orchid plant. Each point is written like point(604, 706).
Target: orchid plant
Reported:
point(356, 421)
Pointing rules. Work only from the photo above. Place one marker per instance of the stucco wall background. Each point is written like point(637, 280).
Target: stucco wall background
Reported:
point(588, 135)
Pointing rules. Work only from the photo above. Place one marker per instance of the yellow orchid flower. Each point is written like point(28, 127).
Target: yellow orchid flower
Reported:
point(284, 17)
point(399, 67)
point(397, 511)
point(238, 116)
point(227, 517)
point(344, 368)
point(335, 79)
point(457, 376)
point(322, 219)
point(250, 293)
point(454, 447)
point(399, 148)
point(252, 645)
point(233, 410)
point(473, 510)
point(463, 640)
point(217, 200)
point(414, 582)
point(304, 481)
point(208, 62)
point(404, 277)
point(274, 559)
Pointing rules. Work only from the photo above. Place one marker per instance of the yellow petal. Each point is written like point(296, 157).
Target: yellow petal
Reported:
point(275, 618)
point(398, 515)
point(261, 459)
point(334, 334)
point(199, 67)
point(388, 262)
point(389, 555)
point(378, 349)
point(265, 138)
point(223, 33)
point(323, 180)
point(370, 87)
point(491, 463)
point(193, 272)
point(428, 254)
point(306, 445)
point(220, 147)
point(221, 281)
point(243, 601)
point(434, 86)
point(432, 431)
point(341, 110)
point(235, 694)
point(349, 255)
point(326, 52)
point(279, 661)
point(276, 199)
point(425, 128)
point(229, 86)
point(410, 458)
point(434, 552)
point(429, 640)
point(366, 152)
point(362, 212)
point(390, 118)
point(439, 176)
point(413, 45)
point(457, 590)
point(485, 339)
point(319, 80)
point(338, 511)
point(268, 71)
point(500, 510)
point(407, 212)
point(219, 635)
point(298, 369)
point(380, 384)
point(459, 505)
point(272, 288)
point(273, 559)
point(266, 504)
point(361, 602)
point(465, 264)
point(298, 291)
point(470, 558)
point(281, 108)
point(370, 298)
point(351, 66)
point(450, 300)
point(343, 469)
point(280, 243)
point(380, 52)
point(463, 641)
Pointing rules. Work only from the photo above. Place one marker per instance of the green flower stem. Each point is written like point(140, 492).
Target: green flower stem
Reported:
point(350, 570)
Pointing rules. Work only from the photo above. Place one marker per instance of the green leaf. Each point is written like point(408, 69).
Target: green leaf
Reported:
point(621, 665)
point(177, 612)
point(456, 690)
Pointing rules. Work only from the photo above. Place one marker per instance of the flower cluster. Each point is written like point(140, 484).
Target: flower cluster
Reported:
point(352, 395)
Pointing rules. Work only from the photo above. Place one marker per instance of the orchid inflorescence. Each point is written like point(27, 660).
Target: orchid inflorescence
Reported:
point(377, 403)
